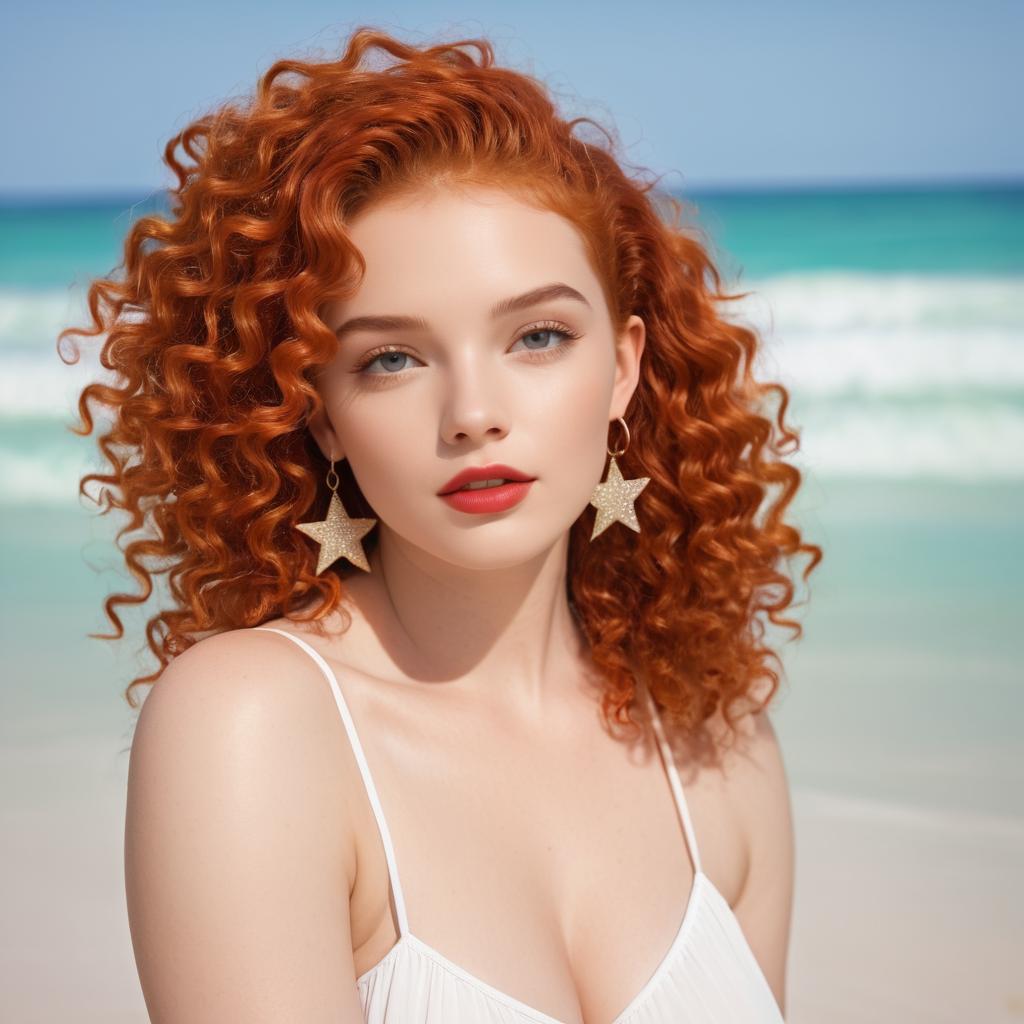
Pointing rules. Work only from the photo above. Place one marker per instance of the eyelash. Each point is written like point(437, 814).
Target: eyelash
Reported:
point(541, 355)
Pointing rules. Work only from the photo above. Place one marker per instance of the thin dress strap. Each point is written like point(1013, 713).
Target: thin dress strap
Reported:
point(677, 787)
point(364, 770)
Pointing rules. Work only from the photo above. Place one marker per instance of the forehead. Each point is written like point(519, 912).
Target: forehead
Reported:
point(469, 234)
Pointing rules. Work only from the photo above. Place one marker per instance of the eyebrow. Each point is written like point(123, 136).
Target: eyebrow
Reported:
point(545, 293)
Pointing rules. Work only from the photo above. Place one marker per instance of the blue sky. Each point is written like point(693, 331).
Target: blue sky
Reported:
point(711, 95)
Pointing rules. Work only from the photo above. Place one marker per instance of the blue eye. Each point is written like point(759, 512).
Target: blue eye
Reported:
point(391, 361)
point(541, 332)
point(537, 334)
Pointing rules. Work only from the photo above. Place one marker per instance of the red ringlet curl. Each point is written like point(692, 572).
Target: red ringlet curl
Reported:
point(212, 329)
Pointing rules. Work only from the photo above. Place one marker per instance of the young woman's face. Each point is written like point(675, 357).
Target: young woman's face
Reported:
point(533, 386)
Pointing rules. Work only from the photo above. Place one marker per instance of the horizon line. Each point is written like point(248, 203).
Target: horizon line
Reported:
point(12, 198)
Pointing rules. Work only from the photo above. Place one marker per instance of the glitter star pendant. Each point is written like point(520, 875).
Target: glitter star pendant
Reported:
point(614, 499)
point(339, 535)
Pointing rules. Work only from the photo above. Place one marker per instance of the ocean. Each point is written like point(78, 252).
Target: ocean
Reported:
point(895, 318)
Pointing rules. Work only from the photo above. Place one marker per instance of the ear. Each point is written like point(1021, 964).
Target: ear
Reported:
point(629, 347)
point(325, 435)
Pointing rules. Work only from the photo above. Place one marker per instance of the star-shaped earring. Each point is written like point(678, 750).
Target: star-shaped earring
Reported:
point(338, 534)
point(614, 499)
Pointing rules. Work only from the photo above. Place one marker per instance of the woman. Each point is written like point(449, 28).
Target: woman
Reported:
point(461, 479)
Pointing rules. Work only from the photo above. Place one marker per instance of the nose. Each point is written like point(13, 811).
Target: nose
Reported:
point(475, 406)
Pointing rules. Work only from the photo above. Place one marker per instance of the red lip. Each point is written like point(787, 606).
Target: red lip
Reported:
point(492, 472)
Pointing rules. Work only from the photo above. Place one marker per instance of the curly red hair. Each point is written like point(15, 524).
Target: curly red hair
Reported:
point(214, 334)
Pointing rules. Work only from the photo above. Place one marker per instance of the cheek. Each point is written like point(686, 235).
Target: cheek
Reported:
point(388, 450)
point(586, 463)
point(568, 429)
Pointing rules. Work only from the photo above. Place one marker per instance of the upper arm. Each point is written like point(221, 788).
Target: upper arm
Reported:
point(764, 907)
point(238, 862)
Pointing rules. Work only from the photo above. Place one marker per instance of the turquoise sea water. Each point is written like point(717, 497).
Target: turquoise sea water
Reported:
point(896, 320)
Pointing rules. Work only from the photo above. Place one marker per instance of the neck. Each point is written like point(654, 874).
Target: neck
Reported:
point(508, 631)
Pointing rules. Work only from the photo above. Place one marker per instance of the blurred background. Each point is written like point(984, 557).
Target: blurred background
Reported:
point(860, 171)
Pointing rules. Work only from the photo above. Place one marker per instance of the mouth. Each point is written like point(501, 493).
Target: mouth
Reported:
point(479, 485)
point(479, 478)
point(486, 497)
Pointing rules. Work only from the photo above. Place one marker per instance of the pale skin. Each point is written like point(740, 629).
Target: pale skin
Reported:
point(535, 849)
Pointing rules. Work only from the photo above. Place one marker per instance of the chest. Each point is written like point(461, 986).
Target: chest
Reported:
point(550, 864)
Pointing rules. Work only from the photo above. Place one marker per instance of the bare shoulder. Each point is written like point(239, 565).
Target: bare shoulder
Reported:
point(238, 859)
point(755, 778)
point(247, 697)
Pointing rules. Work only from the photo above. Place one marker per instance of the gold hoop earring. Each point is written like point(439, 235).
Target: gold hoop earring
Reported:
point(338, 535)
point(614, 497)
